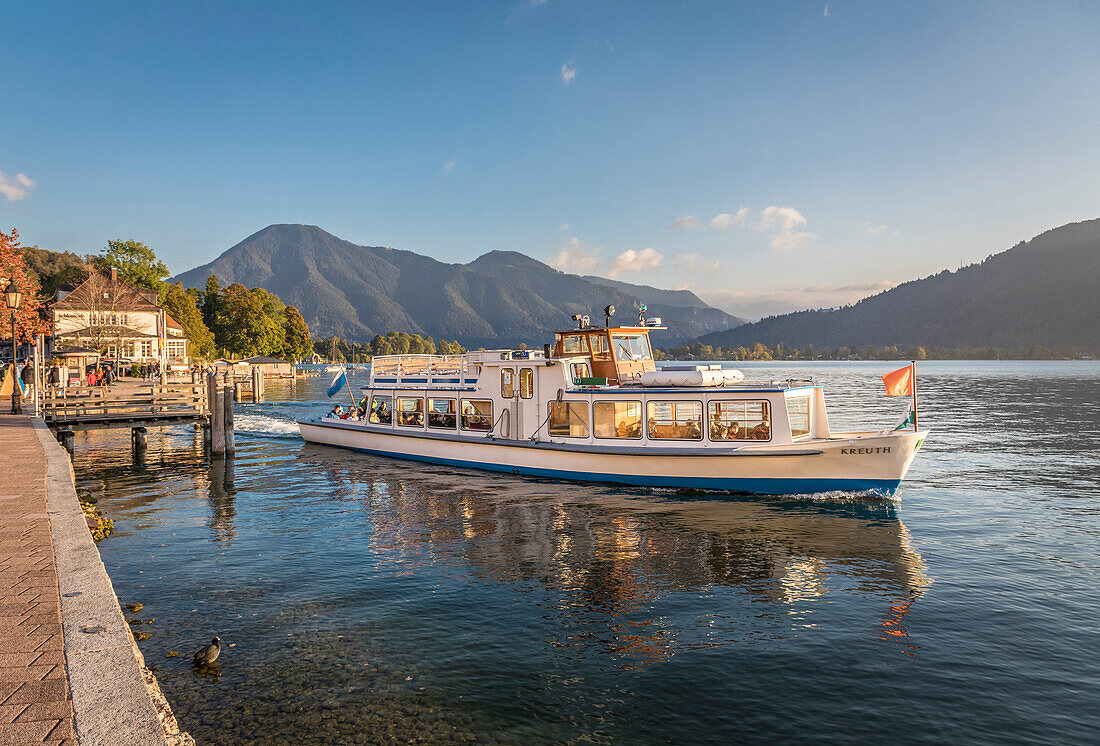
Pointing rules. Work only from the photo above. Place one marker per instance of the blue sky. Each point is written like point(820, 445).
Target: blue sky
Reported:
point(769, 156)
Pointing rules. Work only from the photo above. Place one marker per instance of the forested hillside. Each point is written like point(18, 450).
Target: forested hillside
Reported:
point(1039, 292)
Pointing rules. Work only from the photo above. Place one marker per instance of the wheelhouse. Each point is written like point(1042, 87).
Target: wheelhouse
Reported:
point(612, 355)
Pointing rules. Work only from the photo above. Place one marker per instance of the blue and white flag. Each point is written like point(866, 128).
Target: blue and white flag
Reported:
point(338, 383)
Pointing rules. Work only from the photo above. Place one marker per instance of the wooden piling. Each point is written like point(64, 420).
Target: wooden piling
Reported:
point(217, 417)
point(67, 440)
point(230, 444)
point(257, 384)
point(139, 438)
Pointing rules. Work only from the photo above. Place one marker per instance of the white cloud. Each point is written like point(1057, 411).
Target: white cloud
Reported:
point(17, 188)
point(537, 3)
point(568, 72)
point(826, 9)
point(789, 240)
point(577, 256)
point(695, 264)
point(450, 165)
point(875, 230)
point(563, 227)
point(687, 221)
point(723, 221)
point(895, 233)
point(780, 219)
point(635, 261)
point(781, 223)
point(752, 304)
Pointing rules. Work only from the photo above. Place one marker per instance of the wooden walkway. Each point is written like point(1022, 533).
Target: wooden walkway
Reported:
point(125, 404)
point(35, 704)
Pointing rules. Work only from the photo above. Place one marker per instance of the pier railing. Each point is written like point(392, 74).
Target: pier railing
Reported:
point(124, 405)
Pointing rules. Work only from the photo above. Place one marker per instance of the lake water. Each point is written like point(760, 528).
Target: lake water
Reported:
point(366, 600)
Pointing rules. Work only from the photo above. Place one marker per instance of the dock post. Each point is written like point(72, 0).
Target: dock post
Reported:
point(227, 418)
point(217, 418)
point(238, 390)
point(67, 439)
point(257, 384)
point(138, 438)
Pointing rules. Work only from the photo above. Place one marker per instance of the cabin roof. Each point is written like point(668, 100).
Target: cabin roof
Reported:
point(612, 329)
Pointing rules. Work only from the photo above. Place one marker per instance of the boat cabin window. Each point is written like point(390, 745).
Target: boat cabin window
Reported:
point(569, 419)
point(739, 420)
point(410, 412)
point(526, 383)
point(477, 415)
point(798, 412)
point(507, 383)
point(381, 410)
point(631, 346)
point(615, 419)
point(599, 347)
point(579, 371)
point(574, 344)
point(675, 420)
point(441, 413)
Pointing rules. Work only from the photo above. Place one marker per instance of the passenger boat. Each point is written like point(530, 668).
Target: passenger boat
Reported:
point(593, 407)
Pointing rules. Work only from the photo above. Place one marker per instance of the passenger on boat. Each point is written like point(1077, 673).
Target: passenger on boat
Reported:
point(337, 411)
point(380, 412)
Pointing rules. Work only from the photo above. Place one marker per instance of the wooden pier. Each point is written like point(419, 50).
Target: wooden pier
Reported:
point(125, 405)
point(140, 406)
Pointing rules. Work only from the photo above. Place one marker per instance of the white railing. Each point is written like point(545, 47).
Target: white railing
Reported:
point(419, 366)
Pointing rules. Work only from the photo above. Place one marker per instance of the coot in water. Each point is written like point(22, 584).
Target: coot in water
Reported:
point(209, 654)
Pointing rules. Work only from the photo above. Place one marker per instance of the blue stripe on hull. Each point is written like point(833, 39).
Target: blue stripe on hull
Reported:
point(761, 486)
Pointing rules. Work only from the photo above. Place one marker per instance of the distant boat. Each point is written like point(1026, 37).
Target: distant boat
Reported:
point(593, 407)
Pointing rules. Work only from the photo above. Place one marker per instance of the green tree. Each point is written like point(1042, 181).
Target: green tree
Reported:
point(244, 324)
point(136, 263)
point(296, 342)
point(181, 306)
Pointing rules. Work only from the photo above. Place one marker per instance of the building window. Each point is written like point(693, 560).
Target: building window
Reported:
point(613, 419)
point(146, 348)
point(410, 412)
point(441, 413)
point(526, 383)
point(739, 420)
point(798, 412)
point(381, 410)
point(477, 415)
point(569, 419)
point(176, 348)
point(675, 420)
point(507, 383)
point(580, 370)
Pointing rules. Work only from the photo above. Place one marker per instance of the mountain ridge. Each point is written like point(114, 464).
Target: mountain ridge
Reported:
point(502, 297)
point(1039, 292)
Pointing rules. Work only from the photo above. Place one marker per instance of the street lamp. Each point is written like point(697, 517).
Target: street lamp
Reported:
point(13, 296)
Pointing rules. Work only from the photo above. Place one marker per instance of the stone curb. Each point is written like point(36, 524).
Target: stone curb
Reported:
point(111, 706)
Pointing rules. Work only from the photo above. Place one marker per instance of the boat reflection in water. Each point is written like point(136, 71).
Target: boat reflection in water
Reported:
point(610, 561)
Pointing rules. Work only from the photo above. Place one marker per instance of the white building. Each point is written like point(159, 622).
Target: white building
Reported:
point(108, 314)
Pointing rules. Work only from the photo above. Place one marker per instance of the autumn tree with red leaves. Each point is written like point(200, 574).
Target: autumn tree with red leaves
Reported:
point(30, 319)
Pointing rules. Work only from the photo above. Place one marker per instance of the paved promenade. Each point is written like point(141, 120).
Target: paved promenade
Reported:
point(35, 705)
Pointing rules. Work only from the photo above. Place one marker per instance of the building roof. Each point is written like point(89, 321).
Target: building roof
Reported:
point(75, 351)
point(102, 292)
point(262, 359)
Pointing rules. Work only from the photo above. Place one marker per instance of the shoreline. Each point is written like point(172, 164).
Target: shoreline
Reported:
point(115, 698)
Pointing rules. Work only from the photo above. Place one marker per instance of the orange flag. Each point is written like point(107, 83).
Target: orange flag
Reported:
point(900, 382)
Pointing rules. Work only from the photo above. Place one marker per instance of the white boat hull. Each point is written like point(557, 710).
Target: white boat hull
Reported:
point(858, 462)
